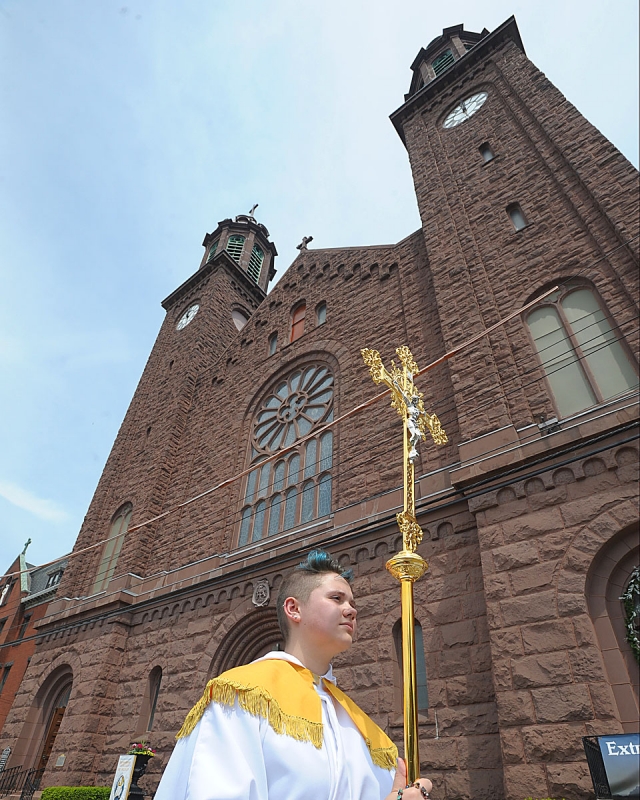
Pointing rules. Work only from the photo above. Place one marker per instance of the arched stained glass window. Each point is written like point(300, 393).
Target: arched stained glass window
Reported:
point(584, 361)
point(112, 547)
point(234, 246)
point(281, 494)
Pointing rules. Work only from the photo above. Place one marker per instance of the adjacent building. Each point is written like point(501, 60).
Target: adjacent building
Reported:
point(25, 593)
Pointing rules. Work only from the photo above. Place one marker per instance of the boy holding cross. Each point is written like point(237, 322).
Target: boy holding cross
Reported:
point(279, 728)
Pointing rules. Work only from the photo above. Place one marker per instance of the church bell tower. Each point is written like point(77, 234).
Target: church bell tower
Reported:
point(516, 191)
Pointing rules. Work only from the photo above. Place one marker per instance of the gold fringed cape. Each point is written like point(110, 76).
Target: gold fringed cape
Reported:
point(282, 693)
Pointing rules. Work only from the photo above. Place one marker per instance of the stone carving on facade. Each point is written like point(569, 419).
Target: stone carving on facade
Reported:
point(261, 594)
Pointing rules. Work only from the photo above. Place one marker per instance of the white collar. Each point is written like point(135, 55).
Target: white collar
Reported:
point(282, 656)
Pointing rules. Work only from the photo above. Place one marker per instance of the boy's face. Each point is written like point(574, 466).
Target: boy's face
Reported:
point(328, 616)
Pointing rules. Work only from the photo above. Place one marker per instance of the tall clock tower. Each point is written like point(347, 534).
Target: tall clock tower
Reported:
point(516, 190)
point(519, 195)
point(203, 316)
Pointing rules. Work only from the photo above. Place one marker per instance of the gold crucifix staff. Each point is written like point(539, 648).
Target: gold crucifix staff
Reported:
point(407, 565)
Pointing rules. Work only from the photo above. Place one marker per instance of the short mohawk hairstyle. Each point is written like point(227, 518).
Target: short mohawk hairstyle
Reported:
point(319, 561)
point(303, 579)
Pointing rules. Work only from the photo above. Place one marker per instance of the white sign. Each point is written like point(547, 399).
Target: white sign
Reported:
point(122, 779)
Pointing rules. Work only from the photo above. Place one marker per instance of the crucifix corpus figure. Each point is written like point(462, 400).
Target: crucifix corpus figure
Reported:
point(407, 565)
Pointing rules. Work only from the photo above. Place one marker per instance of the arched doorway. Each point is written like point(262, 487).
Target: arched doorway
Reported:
point(36, 741)
point(56, 713)
point(607, 580)
point(252, 637)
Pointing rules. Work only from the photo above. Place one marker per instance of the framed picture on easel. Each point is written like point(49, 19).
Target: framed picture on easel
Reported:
point(122, 779)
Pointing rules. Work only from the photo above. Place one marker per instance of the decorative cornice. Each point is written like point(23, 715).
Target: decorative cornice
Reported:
point(221, 260)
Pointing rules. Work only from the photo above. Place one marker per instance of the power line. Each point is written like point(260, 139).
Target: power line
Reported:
point(432, 506)
point(450, 404)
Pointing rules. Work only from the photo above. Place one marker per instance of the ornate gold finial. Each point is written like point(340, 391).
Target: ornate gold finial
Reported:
point(409, 403)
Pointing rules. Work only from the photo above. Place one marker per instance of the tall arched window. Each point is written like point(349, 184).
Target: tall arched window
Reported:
point(113, 545)
point(234, 246)
point(295, 488)
point(583, 359)
point(59, 706)
point(297, 321)
point(421, 666)
point(155, 679)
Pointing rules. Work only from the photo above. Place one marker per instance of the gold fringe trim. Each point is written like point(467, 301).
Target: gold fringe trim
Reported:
point(384, 757)
point(259, 703)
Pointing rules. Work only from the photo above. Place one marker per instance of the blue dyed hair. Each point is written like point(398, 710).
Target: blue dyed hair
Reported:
point(303, 579)
point(319, 562)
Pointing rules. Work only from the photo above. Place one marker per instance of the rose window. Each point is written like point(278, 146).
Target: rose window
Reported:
point(283, 493)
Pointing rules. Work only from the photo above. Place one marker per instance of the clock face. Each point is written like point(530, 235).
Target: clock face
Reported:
point(188, 315)
point(466, 108)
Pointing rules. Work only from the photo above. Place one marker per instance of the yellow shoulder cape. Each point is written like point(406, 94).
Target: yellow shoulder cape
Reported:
point(282, 693)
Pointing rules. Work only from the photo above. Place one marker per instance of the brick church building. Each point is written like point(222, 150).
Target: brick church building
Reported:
point(529, 512)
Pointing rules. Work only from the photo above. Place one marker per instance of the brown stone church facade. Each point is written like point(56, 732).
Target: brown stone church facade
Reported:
point(529, 513)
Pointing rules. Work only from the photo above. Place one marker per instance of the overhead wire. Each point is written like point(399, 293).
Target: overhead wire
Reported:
point(432, 506)
point(451, 403)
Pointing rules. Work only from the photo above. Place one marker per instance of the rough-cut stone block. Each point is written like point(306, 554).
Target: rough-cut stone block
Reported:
point(570, 605)
point(525, 780)
point(476, 719)
point(547, 636)
point(507, 643)
point(512, 556)
point(586, 508)
point(544, 669)
point(551, 743)
point(454, 662)
point(562, 703)
point(479, 752)
point(570, 781)
point(604, 701)
point(511, 746)
point(438, 754)
point(536, 577)
point(481, 784)
point(497, 586)
point(583, 630)
point(540, 522)
point(625, 513)
point(515, 708)
point(472, 688)
point(502, 679)
point(481, 658)
point(531, 608)
point(459, 633)
point(586, 664)
point(444, 611)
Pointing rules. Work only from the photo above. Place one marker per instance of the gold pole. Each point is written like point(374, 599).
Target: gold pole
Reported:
point(410, 692)
point(407, 565)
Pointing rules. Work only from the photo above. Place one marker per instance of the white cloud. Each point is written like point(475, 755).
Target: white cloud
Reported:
point(45, 509)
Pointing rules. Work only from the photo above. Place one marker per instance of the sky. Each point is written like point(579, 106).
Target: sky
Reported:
point(128, 131)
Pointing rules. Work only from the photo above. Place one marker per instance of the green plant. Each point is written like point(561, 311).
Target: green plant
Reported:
point(141, 748)
point(76, 793)
point(630, 601)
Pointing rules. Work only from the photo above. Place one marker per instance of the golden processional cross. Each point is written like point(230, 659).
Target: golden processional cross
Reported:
point(407, 565)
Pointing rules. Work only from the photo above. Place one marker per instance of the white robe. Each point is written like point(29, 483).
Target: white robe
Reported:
point(232, 755)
